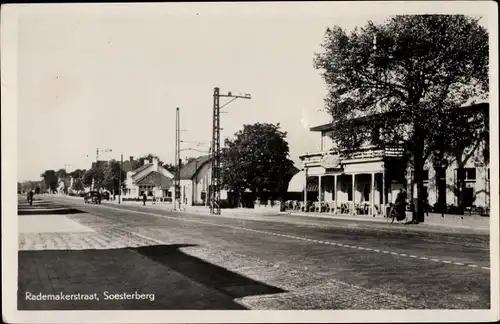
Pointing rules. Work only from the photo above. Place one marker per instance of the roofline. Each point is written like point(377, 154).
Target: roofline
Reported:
point(330, 126)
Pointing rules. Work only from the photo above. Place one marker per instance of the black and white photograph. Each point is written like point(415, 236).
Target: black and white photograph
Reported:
point(266, 156)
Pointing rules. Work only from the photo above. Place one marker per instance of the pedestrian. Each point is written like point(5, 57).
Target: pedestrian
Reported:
point(30, 197)
point(144, 198)
point(154, 199)
point(400, 204)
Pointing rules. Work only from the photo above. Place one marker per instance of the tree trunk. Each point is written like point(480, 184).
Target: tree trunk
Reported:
point(418, 178)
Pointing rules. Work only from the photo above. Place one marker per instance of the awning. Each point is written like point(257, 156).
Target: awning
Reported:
point(312, 187)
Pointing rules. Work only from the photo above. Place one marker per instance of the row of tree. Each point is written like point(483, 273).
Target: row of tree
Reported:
point(256, 159)
point(103, 175)
point(418, 70)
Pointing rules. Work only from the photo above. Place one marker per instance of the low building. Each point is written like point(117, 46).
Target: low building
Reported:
point(195, 179)
point(150, 178)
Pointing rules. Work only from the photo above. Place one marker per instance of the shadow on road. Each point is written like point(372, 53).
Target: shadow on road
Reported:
point(176, 279)
point(206, 273)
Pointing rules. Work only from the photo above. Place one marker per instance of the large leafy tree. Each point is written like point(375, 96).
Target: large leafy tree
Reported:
point(113, 180)
point(414, 69)
point(77, 176)
point(170, 167)
point(94, 176)
point(256, 159)
point(50, 179)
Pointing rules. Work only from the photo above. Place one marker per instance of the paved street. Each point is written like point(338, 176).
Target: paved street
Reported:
point(191, 261)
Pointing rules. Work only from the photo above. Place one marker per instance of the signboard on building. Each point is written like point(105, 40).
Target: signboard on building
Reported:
point(330, 161)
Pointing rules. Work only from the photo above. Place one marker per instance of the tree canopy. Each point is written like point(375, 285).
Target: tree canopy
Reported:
point(256, 159)
point(417, 69)
point(50, 179)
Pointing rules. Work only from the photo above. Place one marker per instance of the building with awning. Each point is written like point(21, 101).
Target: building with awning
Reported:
point(371, 176)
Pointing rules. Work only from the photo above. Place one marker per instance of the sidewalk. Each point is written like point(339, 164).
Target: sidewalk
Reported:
point(473, 222)
point(433, 221)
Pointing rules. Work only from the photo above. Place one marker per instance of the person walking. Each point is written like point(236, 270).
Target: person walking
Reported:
point(30, 197)
point(154, 198)
point(144, 198)
point(400, 204)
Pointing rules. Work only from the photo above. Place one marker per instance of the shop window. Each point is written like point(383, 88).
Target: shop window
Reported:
point(349, 192)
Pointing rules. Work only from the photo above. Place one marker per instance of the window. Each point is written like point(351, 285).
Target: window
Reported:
point(366, 193)
point(470, 174)
point(426, 176)
point(349, 192)
point(466, 174)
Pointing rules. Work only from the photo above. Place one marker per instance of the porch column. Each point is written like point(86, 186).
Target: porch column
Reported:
point(319, 192)
point(373, 195)
point(335, 192)
point(383, 193)
point(353, 194)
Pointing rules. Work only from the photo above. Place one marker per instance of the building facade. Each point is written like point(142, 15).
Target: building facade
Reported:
point(364, 181)
point(195, 179)
point(151, 179)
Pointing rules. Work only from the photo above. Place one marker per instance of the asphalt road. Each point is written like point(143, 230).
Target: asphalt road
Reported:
point(327, 264)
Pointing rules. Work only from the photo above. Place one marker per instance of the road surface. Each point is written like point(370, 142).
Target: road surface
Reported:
point(209, 262)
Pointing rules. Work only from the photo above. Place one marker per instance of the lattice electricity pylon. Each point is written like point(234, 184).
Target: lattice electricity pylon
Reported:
point(216, 179)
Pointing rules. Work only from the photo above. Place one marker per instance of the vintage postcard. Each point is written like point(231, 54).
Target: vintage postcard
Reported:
point(250, 162)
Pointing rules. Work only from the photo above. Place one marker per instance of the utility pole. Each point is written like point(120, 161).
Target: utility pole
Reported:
point(178, 162)
point(216, 180)
point(120, 181)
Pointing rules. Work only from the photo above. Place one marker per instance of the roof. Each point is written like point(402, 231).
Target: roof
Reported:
point(155, 178)
point(374, 117)
point(189, 170)
point(142, 168)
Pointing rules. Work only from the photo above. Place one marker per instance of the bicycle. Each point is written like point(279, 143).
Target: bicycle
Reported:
point(394, 215)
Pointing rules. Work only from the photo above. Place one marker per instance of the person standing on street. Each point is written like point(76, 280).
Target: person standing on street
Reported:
point(144, 198)
point(400, 204)
point(30, 197)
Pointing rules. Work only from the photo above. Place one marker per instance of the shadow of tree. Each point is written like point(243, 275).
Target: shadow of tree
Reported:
point(177, 280)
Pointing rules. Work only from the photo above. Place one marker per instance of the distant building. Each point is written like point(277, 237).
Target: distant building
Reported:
point(149, 178)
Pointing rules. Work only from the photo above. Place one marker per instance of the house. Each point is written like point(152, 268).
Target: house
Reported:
point(195, 179)
point(149, 178)
point(371, 178)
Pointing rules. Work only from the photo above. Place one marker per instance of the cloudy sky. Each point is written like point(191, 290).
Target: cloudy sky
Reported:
point(92, 79)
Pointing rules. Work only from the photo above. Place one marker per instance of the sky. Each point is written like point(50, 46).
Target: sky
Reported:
point(112, 79)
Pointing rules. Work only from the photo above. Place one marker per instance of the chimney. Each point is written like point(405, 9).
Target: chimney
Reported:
point(131, 158)
point(155, 163)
